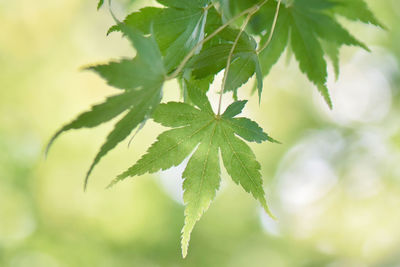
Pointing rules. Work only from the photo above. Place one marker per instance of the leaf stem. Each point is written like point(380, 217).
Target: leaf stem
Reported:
point(271, 33)
point(209, 37)
point(251, 12)
point(228, 63)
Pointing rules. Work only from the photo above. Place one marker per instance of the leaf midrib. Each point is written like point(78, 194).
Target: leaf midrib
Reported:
point(204, 166)
point(173, 147)
point(241, 162)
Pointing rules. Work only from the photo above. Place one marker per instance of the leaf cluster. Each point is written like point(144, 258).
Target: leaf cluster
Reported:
point(192, 41)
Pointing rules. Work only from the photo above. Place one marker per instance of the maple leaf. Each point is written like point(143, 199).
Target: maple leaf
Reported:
point(141, 78)
point(213, 58)
point(182, 25)
point(177, 28)
point(192, 41)
point(206, 133)
point(311, 29)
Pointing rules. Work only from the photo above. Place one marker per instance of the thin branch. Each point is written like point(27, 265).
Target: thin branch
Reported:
point(271, 33)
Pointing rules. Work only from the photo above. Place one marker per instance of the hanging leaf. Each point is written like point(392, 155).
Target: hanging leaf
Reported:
point(192, 41)
point(143, 93)
point(304, 23)
point(200, 127)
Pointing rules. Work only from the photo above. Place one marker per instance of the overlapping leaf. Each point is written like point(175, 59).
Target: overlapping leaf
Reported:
point(141, 78)
point(303, 24)
point(177, 28)
point(213, 58)
point(163, 37)
point(206, 133)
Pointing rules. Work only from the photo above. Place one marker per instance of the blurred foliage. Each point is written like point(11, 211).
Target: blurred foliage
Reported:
point(333, 183)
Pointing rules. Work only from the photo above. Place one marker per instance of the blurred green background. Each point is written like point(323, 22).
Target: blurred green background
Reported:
point(334, 183)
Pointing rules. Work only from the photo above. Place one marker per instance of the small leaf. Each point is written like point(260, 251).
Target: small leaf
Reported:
point(234, 109)
point(240, 71)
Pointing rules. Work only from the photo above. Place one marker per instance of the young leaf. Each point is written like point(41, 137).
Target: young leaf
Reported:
point(200, 127)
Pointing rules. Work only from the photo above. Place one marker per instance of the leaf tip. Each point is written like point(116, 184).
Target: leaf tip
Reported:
point(87, 67)
point(112, 29)
point(269, 212)
point(100, 4)
point(186, 232)
point(51, 142)
point(184, 252)
point(185, 243)
point(86, 182)
point(112, 183)
point(325, 94)
point(272, 140)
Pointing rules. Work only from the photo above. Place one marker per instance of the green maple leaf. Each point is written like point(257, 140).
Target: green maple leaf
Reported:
point(141, 79)
point(177, 28)
point(244, 64)
point(312, 29)
point(182, 25)
point(163, 37)
point(206, 133)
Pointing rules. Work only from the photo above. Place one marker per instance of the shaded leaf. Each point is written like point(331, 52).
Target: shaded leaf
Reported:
point(142, 78)
point(307, 23)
